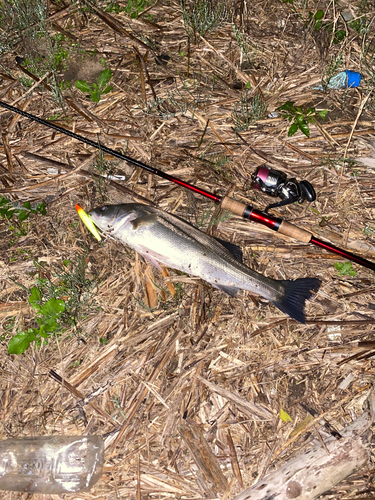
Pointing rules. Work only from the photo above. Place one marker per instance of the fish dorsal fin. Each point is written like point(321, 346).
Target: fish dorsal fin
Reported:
point(234, 249)
point(143, 220)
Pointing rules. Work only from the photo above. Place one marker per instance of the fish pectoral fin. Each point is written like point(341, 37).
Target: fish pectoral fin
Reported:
point(144, 220)
point(228, 290)
point(150, 259)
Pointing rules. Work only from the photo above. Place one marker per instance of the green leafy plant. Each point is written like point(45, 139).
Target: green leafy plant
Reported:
point(345, 268)
point(247, 111)
point(300, 117)
point(48, 314)
point(317, 21)
point(59, 299)
point(201, 17)
point(96, 89)
point(22, 211)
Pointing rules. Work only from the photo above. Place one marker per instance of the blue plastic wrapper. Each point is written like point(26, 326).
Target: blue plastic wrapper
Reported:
point(343, 80)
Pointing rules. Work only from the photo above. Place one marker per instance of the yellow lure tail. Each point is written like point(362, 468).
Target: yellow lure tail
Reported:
point(88, 222)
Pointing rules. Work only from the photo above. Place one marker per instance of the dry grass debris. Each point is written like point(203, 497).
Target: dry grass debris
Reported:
point(188, 393)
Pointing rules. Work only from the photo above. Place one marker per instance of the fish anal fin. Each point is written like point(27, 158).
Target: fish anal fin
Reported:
point(144, 220)
point(228, 290)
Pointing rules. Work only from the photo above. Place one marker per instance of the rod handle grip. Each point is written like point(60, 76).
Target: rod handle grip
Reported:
point(233, 206)
point(288, 229)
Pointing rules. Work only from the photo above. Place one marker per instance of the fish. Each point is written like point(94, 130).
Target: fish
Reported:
point(165, 239)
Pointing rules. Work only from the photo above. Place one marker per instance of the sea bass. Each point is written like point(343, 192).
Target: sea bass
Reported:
point(163, 238)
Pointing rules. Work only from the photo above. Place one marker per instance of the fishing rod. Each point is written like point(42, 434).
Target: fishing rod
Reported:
point(246, 211)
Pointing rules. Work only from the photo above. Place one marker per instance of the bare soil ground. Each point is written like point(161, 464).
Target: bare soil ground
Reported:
point(199, 361)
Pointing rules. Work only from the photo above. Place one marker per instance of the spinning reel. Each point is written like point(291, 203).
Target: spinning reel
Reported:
point(276, 184)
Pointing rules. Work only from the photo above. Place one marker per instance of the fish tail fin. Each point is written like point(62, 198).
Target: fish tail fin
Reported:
point(292, 300)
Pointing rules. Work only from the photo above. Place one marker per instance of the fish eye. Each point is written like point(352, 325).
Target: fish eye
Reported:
point(103, 208)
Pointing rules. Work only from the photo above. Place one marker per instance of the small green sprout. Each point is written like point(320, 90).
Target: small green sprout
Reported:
point(300, 116)
point(96, 89)
point(345, 268)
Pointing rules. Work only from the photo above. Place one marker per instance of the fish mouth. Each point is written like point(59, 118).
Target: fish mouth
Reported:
point(110, 223)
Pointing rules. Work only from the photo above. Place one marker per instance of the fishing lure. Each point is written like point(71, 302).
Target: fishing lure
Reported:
point(88, 222)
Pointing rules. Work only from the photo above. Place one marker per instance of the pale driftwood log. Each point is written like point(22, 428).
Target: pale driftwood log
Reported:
point(314, 472)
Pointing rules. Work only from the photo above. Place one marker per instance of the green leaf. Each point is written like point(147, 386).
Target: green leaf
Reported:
point(83, 86)
point(345, 268)
point(292, 129)
point(300, 119)
point(319, 15)
point(304, 128)
point(35, 298)
point(44, 329)
point(247, 86)
point(95, 96)
point(339, 265)
point(339, 36)
point(3, 201)
point(134, 15)
point(323, 113)
point(27, 205)
point(104, 77)
point(41, 207)
point(21, 341)
point(284, 416)
point(49, 313)
point(107, 89)
point(288, 106)
point(23, 215)
point(318, 25)
point(52, 308)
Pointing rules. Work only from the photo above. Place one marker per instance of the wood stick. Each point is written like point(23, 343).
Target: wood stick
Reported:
point(314, 472)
